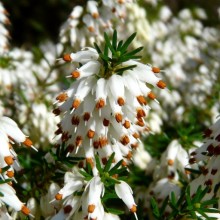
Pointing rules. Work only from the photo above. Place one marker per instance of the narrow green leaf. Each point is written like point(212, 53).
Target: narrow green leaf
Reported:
point(115, 211)
point(173, 198)
point(85, 174)
point(117, 165)
point(120, 43)
point(98, 164)
point(114, 40)
point(107, 41)
point(127, 43)
point(133, 52)
point(154, 207)
point(97, 48)
point(125, 68)
point(109, 163)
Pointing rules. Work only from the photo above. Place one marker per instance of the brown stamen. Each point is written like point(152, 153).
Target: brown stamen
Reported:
point(120, 101)
point(25, 210)
point(125, 140)
point(151, 95)
point(58, 196)
point(76, 103)
point(9, 160)
point(28, 142)
point(67, 58)
point(118, 117)
point(75, 74)
point(62, 97)
point(86, 116)
point(156, 69)
point(161, 84)
point(90, 133)
point(91, 208)
point(100, 103)
point(141, 100)
point(127, 124)
point(133, 208)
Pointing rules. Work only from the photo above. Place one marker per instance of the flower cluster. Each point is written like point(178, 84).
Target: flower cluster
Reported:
point(87, 24)
point(4, 34)
point(207, 158)
point(104, 109)
point(9, 134)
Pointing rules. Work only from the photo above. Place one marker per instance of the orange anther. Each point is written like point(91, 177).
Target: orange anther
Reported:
point(76, 103)
point(155, 69)
point(161, 84)
point(170, 162)
point(90, 133)
point(25, 210)
point(67, 58)
point(10, 173)
point(121, 101)
point(100, 103)
point(91, 208)
point(62, 97)
point(133, 208)
point(118, 117)
point(127, 124)
point(58, 196)
point(28, 142)
point(125, 140)
point(151, 95)
point(9, 160)
point(75, 74)
point(141, 100)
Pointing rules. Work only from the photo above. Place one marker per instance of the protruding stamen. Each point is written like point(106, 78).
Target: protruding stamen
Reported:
point(129, 155)
point(25, 210)
point(67, 209)
point(67, 58)
point(96, 144)
point(28, 142)
point(125, 140)
point(118, 117)
point(170, 162)
point(103, 141)
point(151, 95)
point(127, 124)
point(58, 196)
point(86, 116)
point(10, 173)
point(106, 122)
point(95, 15)
point(161, 84)
point(91, 29)
point(90, 133)
point(100, 103)
point(56, 111)
point(155, 69)
point(136, 135)
point(76, 103)
point(9, 160)
point(78, 141)
point(133, 208)
point(75, 120)
point(75, 74)
point(91, 208)
point(140, 113)
point(141, 100)
point(62, 97)
point(121, 101)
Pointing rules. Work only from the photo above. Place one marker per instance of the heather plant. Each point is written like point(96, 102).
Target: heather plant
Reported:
point(110, 111)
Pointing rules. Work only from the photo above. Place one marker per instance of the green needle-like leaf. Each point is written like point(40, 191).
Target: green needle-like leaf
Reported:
point(109, 163)
point(127, 43)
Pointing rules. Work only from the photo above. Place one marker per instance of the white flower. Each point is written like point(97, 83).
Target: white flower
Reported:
point(124, 192)
point(9, 197)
